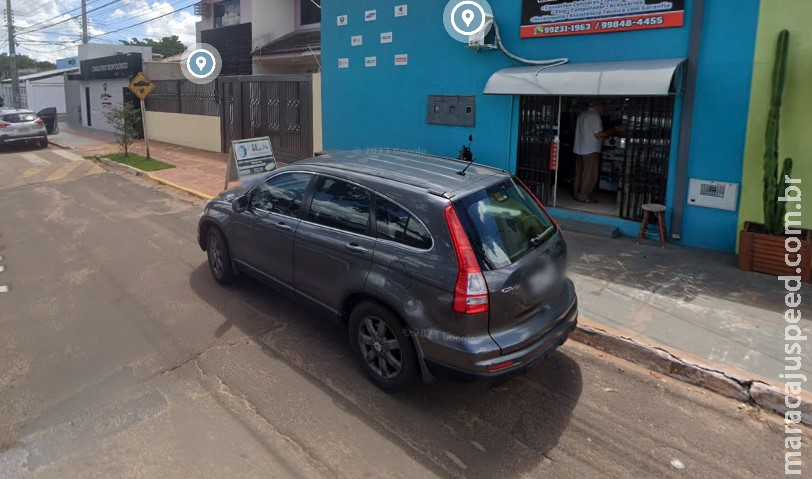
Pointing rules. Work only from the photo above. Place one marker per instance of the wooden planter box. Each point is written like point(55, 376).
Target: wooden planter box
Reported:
point(764, 253)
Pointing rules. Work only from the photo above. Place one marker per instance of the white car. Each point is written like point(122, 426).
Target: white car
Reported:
point(22, 126)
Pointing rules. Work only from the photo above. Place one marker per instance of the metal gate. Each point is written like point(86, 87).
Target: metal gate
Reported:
point(648, 143)
point(538, 124)
point(644, 176)
point(278, 106)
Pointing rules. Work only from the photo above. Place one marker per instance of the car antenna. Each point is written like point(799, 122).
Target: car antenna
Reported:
point(466, 155)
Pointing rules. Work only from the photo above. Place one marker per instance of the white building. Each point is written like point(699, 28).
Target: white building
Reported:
point(41, 90)
point(105, 72)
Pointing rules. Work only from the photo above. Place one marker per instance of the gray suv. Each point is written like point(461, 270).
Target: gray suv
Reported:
point(436, 269)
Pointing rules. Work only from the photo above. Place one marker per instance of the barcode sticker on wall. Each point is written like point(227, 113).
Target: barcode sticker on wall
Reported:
point(708, 189)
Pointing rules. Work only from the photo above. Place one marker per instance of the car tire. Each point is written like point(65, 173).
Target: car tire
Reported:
point(219, 256)
point(43, 143)
point(380, 343)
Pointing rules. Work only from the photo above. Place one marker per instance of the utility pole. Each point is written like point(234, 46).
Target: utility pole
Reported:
point(84, 22)
point(16, 101)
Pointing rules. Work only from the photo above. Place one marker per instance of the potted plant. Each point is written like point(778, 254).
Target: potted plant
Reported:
point(762, 247)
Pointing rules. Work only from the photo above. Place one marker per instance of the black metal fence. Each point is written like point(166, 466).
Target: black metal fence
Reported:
point(277, 106)
point(183, 96)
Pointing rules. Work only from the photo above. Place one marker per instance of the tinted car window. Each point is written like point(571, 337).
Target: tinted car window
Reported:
point(396, 224)
point(504, 223)
point(281, 194)
point(19, 117)
point(341, 205)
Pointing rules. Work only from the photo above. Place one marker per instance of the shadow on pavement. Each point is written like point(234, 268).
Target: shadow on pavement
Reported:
point(475, 429)
point(20, 147)
point(678, 272)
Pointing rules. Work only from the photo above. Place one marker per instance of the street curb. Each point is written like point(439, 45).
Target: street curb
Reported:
point(189, 191)
point(57, 144)
point(725, 381)
point(118, 166)
point(136, 172)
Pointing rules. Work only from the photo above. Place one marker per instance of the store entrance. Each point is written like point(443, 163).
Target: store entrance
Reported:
point(633, 167)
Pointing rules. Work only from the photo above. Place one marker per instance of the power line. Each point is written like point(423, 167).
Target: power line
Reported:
point(60, 15)
point(144, 10)
point(48, 51)
point(146, 21)
point(40, 31)
point(147, 10)
point(30, 30)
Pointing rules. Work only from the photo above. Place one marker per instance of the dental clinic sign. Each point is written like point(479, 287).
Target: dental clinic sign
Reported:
point(550, 18)
point(250, 157)
point(122, 65)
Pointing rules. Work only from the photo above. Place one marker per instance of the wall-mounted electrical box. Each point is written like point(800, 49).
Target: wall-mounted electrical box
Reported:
point(451, 110)
point(713, 194)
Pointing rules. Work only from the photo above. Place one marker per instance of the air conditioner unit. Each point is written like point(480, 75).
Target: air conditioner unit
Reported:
point(713, 194)
point(478, 41)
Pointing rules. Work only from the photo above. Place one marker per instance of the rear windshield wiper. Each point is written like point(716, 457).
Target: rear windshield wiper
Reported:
point(537, 241)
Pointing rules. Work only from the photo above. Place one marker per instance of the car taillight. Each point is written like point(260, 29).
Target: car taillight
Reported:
point(471, 290)
point(39, 121)
point(538, 202)
point(3, 124)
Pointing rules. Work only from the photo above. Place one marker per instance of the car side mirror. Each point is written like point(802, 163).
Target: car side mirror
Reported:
point(240, 204)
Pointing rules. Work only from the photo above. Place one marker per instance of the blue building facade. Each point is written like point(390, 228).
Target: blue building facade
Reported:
point(382, 102)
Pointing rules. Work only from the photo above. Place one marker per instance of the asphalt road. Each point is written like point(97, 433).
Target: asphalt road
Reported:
point(121, 357)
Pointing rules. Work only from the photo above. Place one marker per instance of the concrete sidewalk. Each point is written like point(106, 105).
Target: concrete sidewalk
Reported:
point(197, 170)
point(686, 300)
point(692, 303)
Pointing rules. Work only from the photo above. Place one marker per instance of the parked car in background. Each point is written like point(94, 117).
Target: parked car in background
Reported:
point(434, 270)
point(22, 126)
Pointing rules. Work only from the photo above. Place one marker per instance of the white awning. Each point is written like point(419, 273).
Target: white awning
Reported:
point(632, 78)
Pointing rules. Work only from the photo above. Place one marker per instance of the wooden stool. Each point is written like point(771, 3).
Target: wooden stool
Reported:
point(658, 211)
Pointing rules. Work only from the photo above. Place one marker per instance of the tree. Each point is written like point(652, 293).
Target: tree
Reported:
point(166, 46)
point(24, 63)
point(124, 118)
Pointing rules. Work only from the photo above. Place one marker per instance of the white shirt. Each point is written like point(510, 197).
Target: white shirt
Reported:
point(589, 123)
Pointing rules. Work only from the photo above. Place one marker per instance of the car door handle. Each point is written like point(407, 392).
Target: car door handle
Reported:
point(282, 226)
point(356, 248)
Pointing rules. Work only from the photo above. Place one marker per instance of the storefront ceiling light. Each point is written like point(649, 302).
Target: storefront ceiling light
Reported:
point(633, 78)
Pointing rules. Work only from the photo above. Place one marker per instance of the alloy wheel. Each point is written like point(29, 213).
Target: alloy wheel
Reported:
point(215, 255)
point(380, 348)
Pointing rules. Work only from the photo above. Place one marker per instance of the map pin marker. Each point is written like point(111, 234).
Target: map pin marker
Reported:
point(468, 17)
point(200, 62)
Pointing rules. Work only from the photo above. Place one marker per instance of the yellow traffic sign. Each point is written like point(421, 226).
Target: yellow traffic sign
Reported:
point(141, 86)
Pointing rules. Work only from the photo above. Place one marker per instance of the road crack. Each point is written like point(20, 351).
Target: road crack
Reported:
point(215, 347)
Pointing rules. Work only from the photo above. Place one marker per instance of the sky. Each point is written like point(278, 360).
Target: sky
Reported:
point(38, 35)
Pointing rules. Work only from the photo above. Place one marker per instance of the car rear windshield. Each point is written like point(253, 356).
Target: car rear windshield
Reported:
point(504, 223)
point(19, 117)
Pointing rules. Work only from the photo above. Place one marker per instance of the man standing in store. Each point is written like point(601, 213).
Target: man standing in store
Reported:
point(589, 135)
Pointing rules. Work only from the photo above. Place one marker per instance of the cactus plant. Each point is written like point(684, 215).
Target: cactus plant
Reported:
point(774, 185)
